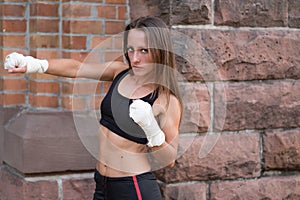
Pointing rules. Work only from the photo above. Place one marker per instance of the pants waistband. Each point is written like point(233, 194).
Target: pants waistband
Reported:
point(146, 175)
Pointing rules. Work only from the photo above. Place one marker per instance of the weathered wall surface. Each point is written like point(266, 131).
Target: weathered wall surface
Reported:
point(240, 69)
point(255, 133)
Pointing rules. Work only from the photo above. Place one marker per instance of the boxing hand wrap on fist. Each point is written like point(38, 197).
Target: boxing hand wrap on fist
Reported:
point(141, 113)
point(33, 65)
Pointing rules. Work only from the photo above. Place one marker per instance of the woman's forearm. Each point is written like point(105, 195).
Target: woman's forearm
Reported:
point(64, 67)
point(164, 154)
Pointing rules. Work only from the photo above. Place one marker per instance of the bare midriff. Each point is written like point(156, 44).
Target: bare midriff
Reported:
point(119, 157)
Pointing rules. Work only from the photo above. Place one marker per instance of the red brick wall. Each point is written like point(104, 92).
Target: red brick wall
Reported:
point(51, 29)
point(253, 149)
point(31, 103)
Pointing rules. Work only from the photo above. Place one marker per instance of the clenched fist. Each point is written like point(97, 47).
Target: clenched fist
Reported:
point(29, 63)
point(142, 114)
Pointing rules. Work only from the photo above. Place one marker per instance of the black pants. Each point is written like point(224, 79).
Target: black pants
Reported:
point(143, 186)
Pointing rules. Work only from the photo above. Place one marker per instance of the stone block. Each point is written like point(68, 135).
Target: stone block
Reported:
point(211, 157)
point(259, 105)
point(294, 13)
point(14, 186)
point(196, 108)
point(159, 8)
point(249, 55)
point(184, 191)
point(190, 12)
point(281, 150)
point(258, 13)
point(40, 142)
point(173, 12)
point(286, 187)
point(78, 188)
point(6, 115)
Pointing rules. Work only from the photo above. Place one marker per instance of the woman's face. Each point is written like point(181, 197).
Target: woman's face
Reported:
point(139, 55)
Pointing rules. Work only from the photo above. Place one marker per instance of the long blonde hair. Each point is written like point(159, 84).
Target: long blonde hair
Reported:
point(161, 49)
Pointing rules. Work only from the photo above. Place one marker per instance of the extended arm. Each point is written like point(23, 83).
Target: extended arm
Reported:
point(17, 63)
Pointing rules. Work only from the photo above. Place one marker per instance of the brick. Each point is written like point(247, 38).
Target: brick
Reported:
point(13, 10)
point(196, 110)
point(17, 26)
point(44, 87)
point(44, 25)
point(107, 12)
point(95, 1)
point(15, 186)
point(294, 13)
point(113, 56)
point(78, 189)
point(44, 9)
point(191, 191)
point(106, 85)
point(257, 105)
point(42, 76)
point(44, 41)
point(115, 1)
point(14, 41)
point(215, 157)
point(81, 88)
point(281, 150)
point(122, 12)
point(15, 84)
point(101, 42)
point(74, 103)
point(43, 101)
point(45, 54)
point(114, 27)
point(95, 102)
point(246, 13)
point(76, 10)
point(13, 99)
point(80, 56)
point(286, 187)
point(74, 42)
point(82, 27)
point(118, 42)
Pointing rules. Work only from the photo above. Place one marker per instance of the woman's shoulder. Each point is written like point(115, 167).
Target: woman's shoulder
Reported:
point(167, 102)
point(120, 68)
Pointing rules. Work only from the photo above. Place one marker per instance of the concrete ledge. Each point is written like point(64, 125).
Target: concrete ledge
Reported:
point(39, 142)
point(5, 116)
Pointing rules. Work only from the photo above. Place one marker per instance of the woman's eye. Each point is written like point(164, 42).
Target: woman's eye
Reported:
point(144, 50)
point(130, 49)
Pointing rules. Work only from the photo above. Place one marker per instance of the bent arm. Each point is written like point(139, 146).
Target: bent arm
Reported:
point(167, 152)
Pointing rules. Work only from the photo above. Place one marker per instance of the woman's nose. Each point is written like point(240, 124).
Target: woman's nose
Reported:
point(136, 57)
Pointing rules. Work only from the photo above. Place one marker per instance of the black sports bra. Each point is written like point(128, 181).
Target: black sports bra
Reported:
point(115, 112)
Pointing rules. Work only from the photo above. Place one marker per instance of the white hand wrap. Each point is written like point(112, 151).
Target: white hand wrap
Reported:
point(34, 65)
point(141, 113)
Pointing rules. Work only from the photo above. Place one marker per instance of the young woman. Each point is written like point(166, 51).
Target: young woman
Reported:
point(140, 114)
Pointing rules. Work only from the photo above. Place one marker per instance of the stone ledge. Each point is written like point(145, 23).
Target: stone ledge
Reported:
point(39, 142)
point(6, 115)
point(14, 185)
point(281, 187)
